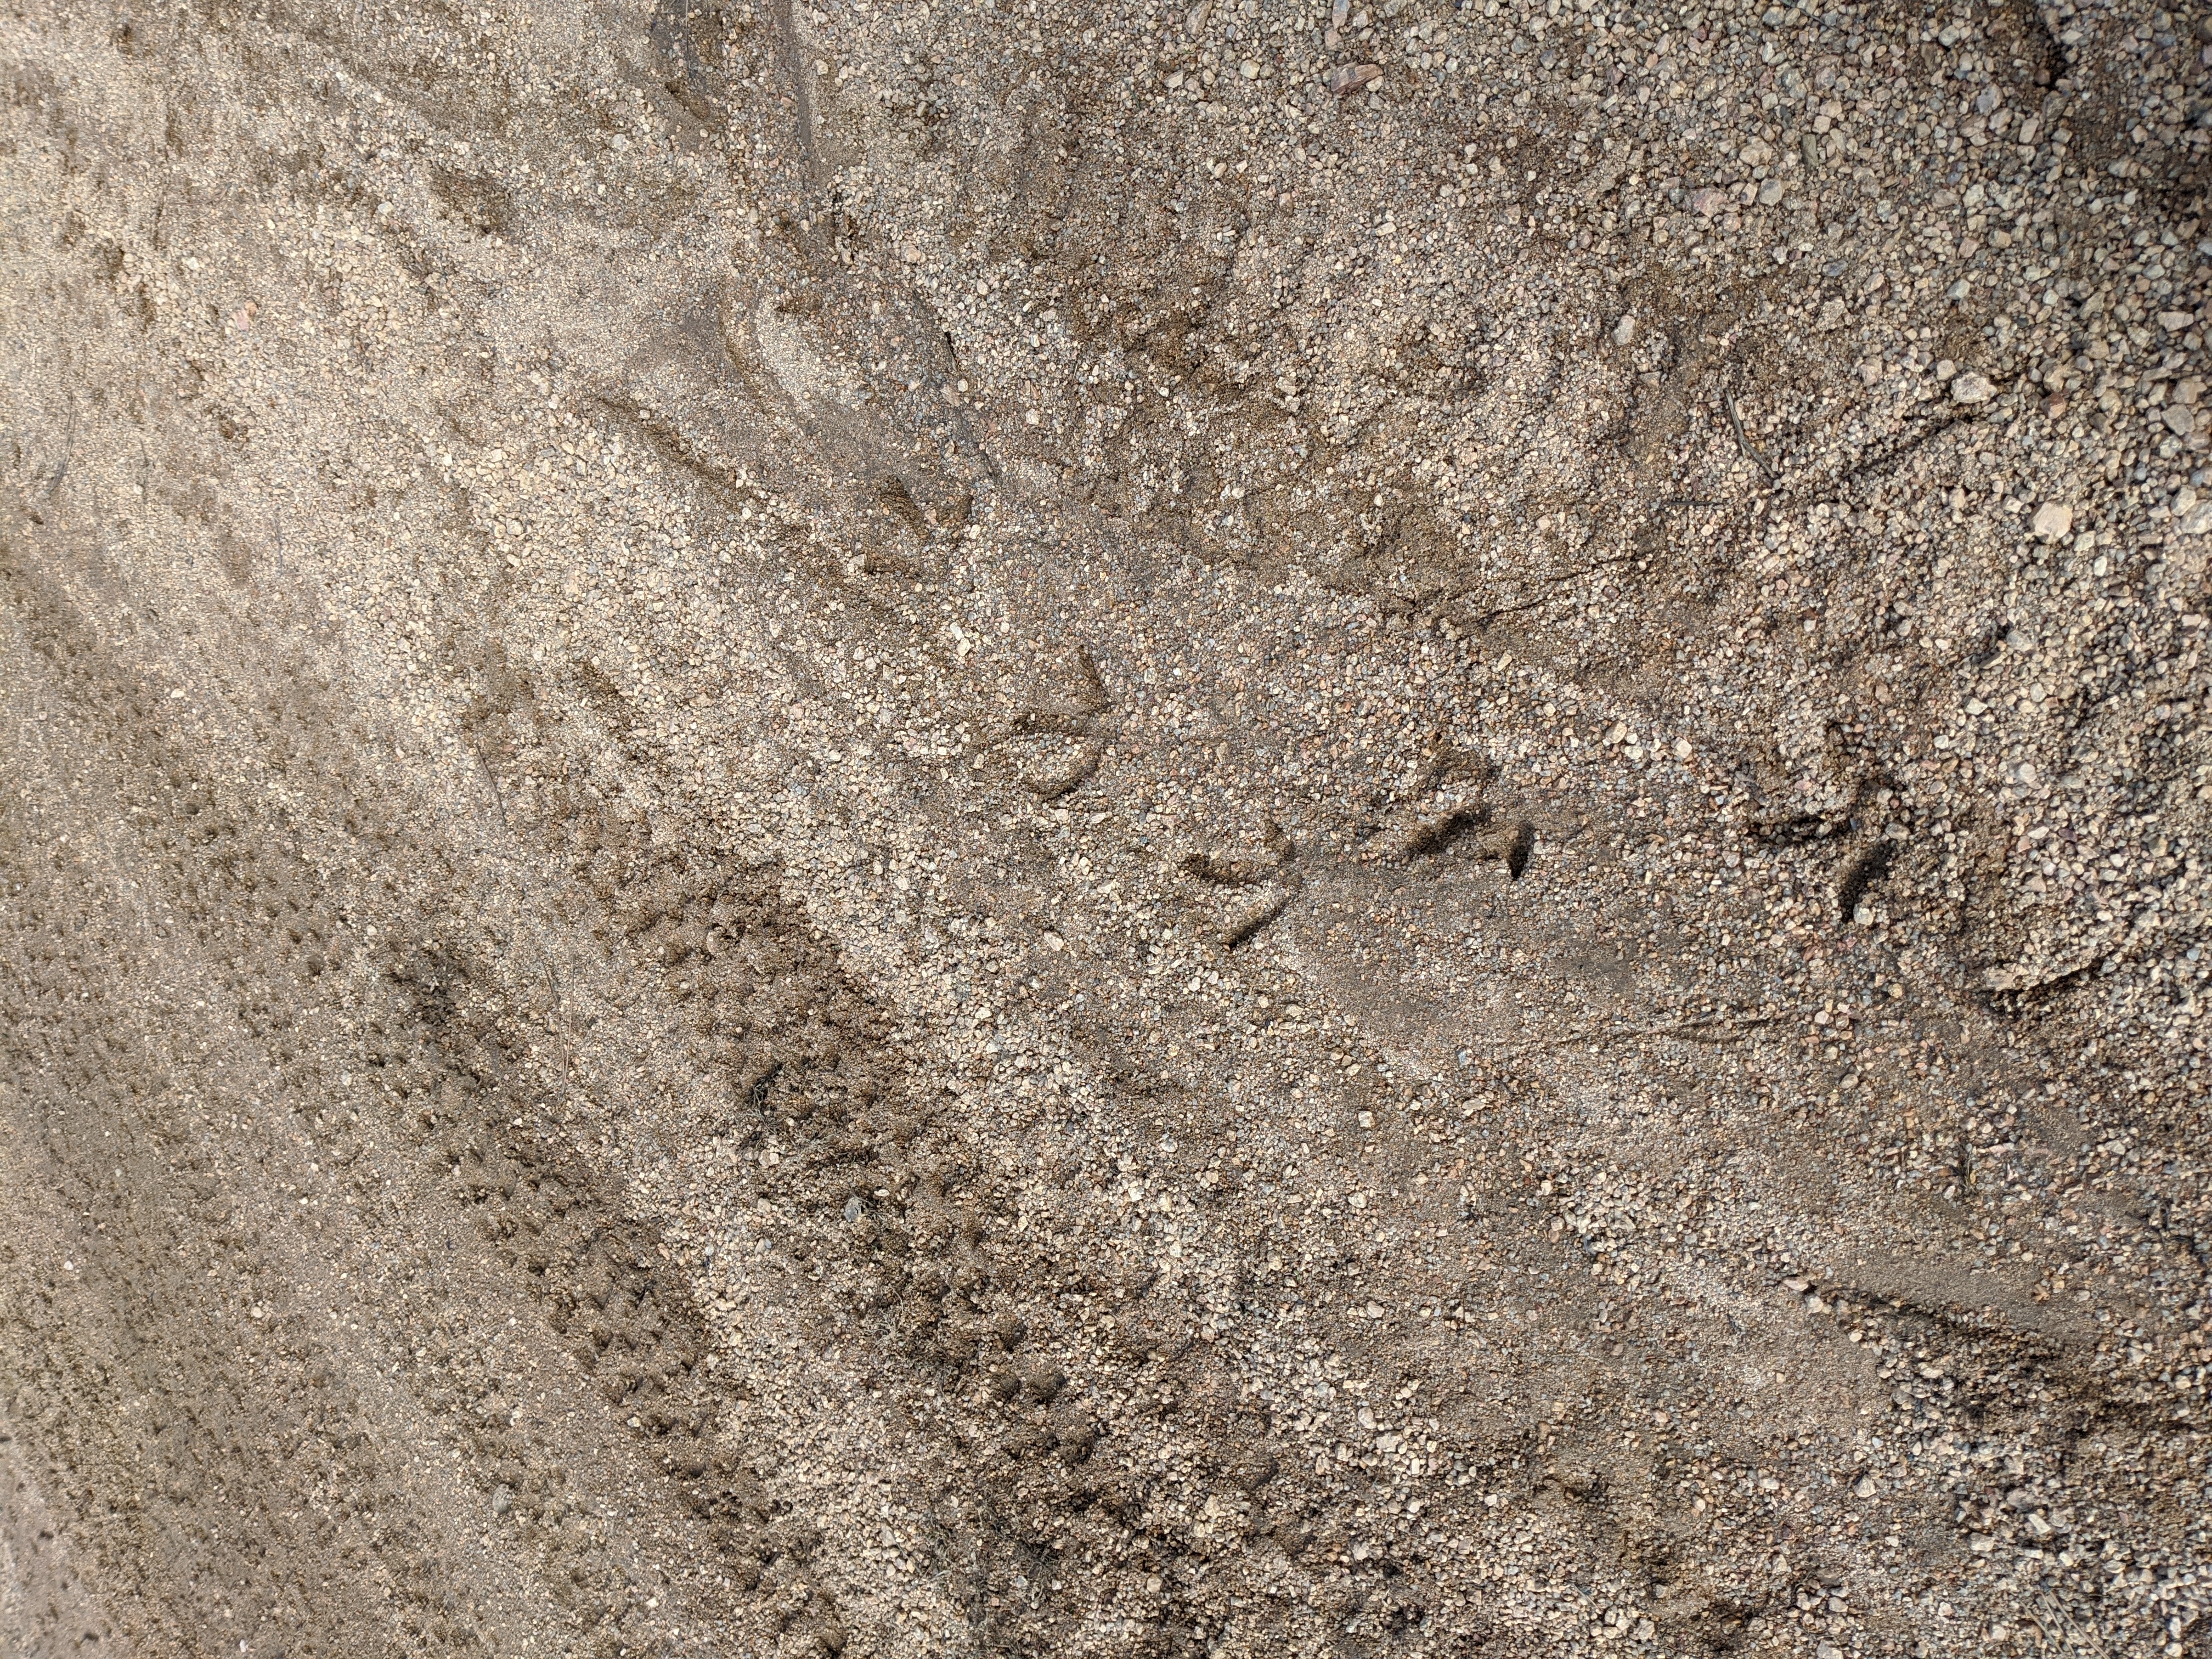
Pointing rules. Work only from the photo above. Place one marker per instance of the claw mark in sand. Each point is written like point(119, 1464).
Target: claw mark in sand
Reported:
point(1077, 716)
point(1269, 879)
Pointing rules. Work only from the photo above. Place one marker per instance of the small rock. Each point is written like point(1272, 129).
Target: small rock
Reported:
point(2176, 321)
point(1770, 193)
point(1706, 203)
point(1347, 78)
point(1624, 332)
point(1865, 1488)
point(1972, 388)
point(2052, 519)
point(2180, 419)
point(502, 1499)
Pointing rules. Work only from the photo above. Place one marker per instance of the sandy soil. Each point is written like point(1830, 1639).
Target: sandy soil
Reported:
point(990, 829)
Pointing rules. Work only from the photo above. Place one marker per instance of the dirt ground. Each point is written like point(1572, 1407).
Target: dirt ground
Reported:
point(1007, 829)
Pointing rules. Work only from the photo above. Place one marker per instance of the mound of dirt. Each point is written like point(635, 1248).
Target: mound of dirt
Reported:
point(896, 829)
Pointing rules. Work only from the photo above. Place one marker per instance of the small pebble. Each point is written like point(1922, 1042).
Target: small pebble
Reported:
point(2052, 520)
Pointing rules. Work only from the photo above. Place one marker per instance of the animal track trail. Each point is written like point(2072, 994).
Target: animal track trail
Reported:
point(1060, 739)
point(1453, 811)
point(1259, 886)
point(644, 1007)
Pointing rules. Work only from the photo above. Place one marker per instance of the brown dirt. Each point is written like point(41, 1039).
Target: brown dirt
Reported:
point(874, 831)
